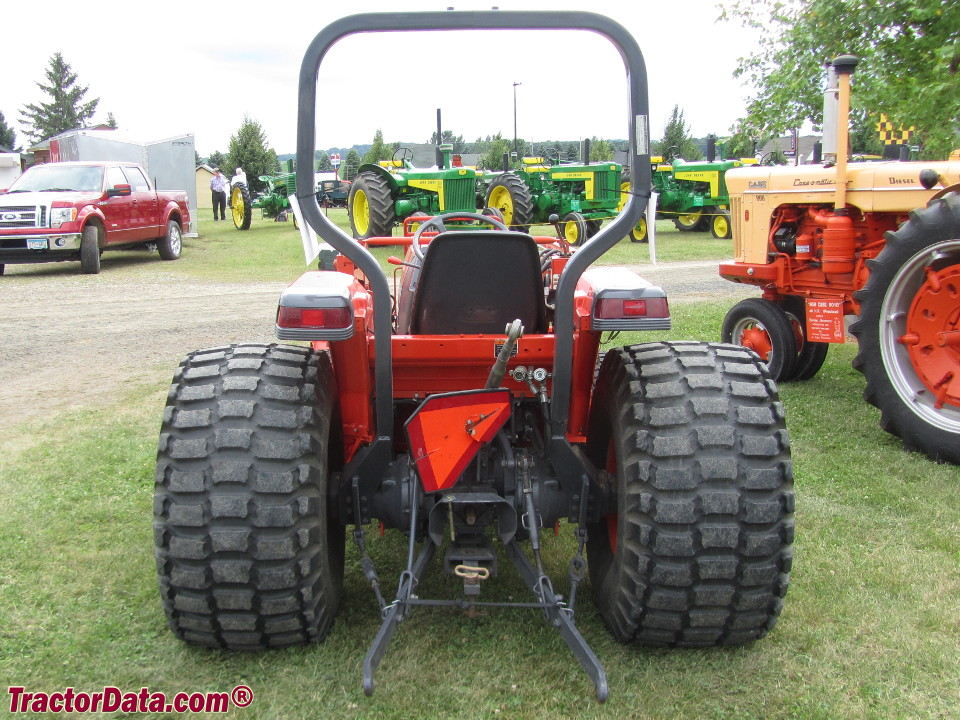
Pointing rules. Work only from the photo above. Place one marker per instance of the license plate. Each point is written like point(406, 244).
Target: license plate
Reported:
point(37, 244)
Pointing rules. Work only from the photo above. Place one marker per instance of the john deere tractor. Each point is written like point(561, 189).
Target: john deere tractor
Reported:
point(388, 193)
point(581, 195)
point(693, 195)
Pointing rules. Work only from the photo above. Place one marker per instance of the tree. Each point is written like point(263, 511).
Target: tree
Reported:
point(676, 142)
point(8, 137)
point(66, 111)
point(459, 146)
point(218, 160)
point(322, 162)
point(111, 121)
point(909, 63)
point(378, 151)
point(863, 134)
point(493, 160)
point(600, 150)
point(351, 163)
point(248, 150)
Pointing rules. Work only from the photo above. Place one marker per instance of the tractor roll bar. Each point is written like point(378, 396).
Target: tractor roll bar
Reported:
point(638, 133)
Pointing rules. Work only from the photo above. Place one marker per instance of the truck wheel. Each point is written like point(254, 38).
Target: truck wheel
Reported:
point(90, 250)
point(908, 331)
point(698, 545)
point(763, 326)
point(171, 244)
point(720, 226)
point(511, 196)
point(249, 554)
point(811, 355)
point(689, 222)
point(574, 228)
point(370, 206)
point(240, 206)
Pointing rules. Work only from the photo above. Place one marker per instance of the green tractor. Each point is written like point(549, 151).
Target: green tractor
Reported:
point(382, 195)
point(692, 194)
point(582, 195)
point(274, 200)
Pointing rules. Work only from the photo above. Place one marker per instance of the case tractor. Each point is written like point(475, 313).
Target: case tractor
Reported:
point(582, 195)
point(467, 407)
point(875, 242)
point(385, 194)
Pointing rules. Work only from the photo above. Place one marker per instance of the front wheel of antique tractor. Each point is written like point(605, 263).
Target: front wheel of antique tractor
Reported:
point(720, 226)
point(908, 331)
point(764, 327)
point(370, 206)
point(241, 209)
point(511, 196)
point(249, 554)
point(697, 547)
point(574, 228)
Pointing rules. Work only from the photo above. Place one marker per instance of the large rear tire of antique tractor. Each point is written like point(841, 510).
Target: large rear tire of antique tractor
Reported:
point(370, 206)
point(697, 548)
point(908, 331)
point(249, 554)
point(241, 208)
point(638, 233)
point(511, 196)
point(764, 327)
point(689, 222)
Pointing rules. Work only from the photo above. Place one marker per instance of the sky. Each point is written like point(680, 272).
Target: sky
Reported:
point(201, 68)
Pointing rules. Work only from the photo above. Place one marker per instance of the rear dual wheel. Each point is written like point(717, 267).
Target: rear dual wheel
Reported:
point(697, 547)
point(777, 332)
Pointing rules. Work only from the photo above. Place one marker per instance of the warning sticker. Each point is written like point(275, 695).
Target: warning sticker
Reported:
point(825, 320)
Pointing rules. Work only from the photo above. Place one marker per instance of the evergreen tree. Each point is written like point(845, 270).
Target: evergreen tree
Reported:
point(8, 137)
point(379, 151)
point(218, 160)
point(493, 159)
point(248, 150)
point(111, 121)
point(676, 142)
point(351, 163)
point(66, 111)
point(600, 150)
point(322, 162)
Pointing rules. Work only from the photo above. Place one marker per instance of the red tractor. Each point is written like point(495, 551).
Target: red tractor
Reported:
point(877, 241)
point(466, 410)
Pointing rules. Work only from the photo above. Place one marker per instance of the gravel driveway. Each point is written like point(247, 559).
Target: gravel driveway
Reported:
point(70, 340)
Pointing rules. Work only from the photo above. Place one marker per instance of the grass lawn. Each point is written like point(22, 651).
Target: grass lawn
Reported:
point(871, 626)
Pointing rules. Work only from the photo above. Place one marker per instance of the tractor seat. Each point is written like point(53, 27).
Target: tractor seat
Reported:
point(476, 282)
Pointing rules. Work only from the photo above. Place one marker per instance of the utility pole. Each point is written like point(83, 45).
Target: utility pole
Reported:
point(516, 150)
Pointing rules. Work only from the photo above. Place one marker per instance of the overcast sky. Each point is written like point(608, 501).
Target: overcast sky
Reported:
point(196, 67)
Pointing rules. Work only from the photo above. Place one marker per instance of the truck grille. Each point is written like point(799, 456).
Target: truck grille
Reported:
point(460, 194)
point(23, 216)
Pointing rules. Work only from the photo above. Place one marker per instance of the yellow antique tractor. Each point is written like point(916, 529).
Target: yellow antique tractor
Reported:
point(874, 241)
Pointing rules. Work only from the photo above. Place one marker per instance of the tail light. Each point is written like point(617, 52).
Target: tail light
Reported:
point(317, 306)
point(622, 300)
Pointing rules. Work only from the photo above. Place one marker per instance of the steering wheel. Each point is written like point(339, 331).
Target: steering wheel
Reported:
point(405, 153)
point(438, 222)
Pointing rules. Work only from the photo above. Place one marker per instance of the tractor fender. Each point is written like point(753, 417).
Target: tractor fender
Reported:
point(955, 188)
point(395, 181)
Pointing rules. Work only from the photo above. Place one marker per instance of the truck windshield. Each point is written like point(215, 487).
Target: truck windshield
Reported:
point(59, 178)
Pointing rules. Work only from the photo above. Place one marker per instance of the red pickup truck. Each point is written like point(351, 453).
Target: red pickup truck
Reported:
point(76, 210)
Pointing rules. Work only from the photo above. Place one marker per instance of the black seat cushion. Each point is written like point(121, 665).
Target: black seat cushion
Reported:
point(477, 282)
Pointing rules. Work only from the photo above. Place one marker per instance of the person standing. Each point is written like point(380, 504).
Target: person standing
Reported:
point(218, 188)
